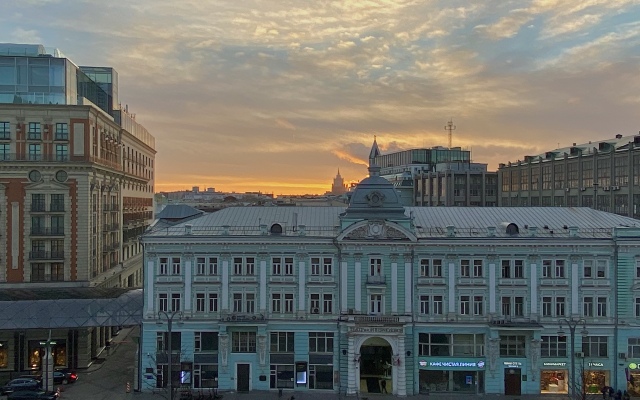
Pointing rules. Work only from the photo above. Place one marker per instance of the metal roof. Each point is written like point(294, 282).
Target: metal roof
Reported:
point(177, 211)
point(82, 307)
point(428, 221)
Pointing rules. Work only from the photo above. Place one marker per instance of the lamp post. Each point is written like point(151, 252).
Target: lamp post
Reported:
point(169, 316)
point(572, 323)
point(47, 359)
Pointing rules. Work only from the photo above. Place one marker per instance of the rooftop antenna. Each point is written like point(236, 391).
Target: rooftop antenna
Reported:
point(450, 127)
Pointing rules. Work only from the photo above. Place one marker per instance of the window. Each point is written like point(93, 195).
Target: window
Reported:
point(288, 303)
point(477, 269)
point(512, 345)
point(37, 202)
point(163, 302)
point(587, 269)
point(62, 131)
point(38, 272)
point(560, 270)
point(276, 303)
point(321, 342)
point(237, 302)
point(62, 152)
point(553, 346)
point(282, 342)
point(518, 269)
point(276, 266)
point(163, 266)
point(546, 307)
point(320, 376)
point(57, 202)
point(35, 132)
point(327, 303)
point(205, 376)
point(513, 306)
point(431, 268)
point(35, 152)
point(602, 307)
point(175, 266)
point(314, 301)
point(375, 304)
point(506, 306)
point(244, 302)
point(57, 224)
point(5, 151)
point(633, 349)
point(462, 345)
point(288, 266)
point(587, 307)
point(327, 266)
point(506, 269)
point(594, 346)
point(243, 342)
point(375, 267)
point(206, 341)
point(213, 302)
point(465, 268)
point(250, 302)
point(175, 301)
point(546, 269)
point(560, 306)
point(465, 305)
point(57, 272)
point(601, 269)
point(431, 304)
point(478, 305)
point(200, 302)
point(637, 308)
point(5, 130)
point(282, 376)
point(207, 266)
point(315, 266)
point(244, 266)
point(162, 341)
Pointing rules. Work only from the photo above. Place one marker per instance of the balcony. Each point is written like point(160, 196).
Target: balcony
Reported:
point(472, 282)
point(512, 282)
point(40, 231)
point(110, 227)
point(46, 255)
point(376, 280)
point(111, 247)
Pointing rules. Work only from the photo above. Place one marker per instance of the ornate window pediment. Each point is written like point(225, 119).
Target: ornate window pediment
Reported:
point(376, 230)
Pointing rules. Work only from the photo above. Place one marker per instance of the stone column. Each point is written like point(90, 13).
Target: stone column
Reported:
point(400, 388)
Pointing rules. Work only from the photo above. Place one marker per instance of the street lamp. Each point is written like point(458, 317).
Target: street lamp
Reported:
point(572, 324)
point(169, 316)
point(47, 359)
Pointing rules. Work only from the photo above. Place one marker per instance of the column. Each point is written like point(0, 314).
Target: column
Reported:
point(302, 284)
point(408, 285)
point(533, 285)
point(401, 385)
point(352, 384)
point(575, 287)
point(452, 289)
point(358, 285)
point(150, 275)
point(263, 285)
point(225, 286)
point(492, 286)
point(188, 271)
point(343, 286)
point(394, 287)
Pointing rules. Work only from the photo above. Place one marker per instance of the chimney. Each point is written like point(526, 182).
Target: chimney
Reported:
point(187, 229)
point(491, 231)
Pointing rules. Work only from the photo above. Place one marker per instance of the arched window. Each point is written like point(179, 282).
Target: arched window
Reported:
point(276, 229)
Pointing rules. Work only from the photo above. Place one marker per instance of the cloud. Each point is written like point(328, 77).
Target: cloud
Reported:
point(20, 35)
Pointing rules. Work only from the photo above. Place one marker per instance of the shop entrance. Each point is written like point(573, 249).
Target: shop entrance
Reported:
point(375, 366)
point(512, 381)
point(243, 371)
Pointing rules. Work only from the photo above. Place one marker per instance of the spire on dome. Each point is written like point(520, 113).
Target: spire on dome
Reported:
point(374, 170)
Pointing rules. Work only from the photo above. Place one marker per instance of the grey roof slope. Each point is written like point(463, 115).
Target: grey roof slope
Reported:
point(178, 211)
point(429, 221)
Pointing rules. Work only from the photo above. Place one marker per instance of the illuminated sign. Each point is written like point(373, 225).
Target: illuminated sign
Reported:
point(452, 364)
point(512, 363)
point(554, 364)
point(596, 364)
point(633, 366)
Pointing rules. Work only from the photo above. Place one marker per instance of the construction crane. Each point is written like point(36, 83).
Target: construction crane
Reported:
point(450, 127)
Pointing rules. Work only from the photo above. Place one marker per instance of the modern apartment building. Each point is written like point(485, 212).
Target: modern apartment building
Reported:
point(379, 297)
point(76, 189)
point(603, 175)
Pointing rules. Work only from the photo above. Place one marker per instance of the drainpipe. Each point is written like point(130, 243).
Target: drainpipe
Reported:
point(615, 305)
point(335, 243)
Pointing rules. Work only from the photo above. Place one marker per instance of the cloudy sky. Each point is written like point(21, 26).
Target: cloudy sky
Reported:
point(276, 95)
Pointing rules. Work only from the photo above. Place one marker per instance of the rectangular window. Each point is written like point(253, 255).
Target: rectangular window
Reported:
point(560, 270)
point(200, 302)
point(327, 266)
point(5, 151)
point(477, 269)
point(437, 305)
point(375, 304)
point(512, 345)
point(314, 302)
point(506, 306)
point(587, 269)
point(62, 152)
point(57, 224)
point(207, 266)
point(35, 152)
point(315, 266)
point(633, 348)
point(57, 202)
point(553, 346)
point(276, 266)
point(237, 302)
point(560, 306)
point(5, 130)
point(506, 269)
point(595, 346)
point(282, 342)
point(175, 301)
point(62, 131)
point(250, 302)
point(637, 306)
point(518, 269)
point(446, 345)
point(602, 306)
point(465, 305)
point(288, 266)
point(546, 307)
point(206, 342)
point(163, 266)
point(237, 266)
point(163, 302)
point(546, 269)
point(327, 303)
point(175, 266)
point(38, 272)
point(375, 267)
point(601, 269)
point(57, 271)
point(587, 307)
point(321, 342)
point(465, 268)
point(288, 303)
point(35, 132)
point(478, 305)
point(276, 303)
point(243, 342)
point(213, 302)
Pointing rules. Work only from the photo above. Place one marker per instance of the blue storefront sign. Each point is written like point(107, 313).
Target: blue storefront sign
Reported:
point(452, 364)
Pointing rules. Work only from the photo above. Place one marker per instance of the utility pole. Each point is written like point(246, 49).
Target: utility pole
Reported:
point(169, 316)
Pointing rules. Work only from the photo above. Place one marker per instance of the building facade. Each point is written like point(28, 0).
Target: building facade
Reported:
point(602, 175)
point(76, 192)
point(377, 297)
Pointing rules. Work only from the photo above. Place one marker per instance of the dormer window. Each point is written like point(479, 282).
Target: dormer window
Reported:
point(276, 229)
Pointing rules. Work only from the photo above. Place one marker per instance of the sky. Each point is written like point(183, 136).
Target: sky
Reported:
point(277, 95)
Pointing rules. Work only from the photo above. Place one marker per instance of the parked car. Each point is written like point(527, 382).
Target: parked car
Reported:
point(32, 394)
point(20, 384)
point(64, 376)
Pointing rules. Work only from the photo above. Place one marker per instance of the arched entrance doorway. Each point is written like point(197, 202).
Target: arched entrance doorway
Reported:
point(375, 366)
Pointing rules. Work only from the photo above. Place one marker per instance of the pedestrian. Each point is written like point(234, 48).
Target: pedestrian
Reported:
point(625, 396)
point(383, 386)
point(605, 391)
point(618, 395)
point(611, 392)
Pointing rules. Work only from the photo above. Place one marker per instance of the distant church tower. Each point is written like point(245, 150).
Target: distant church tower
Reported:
point(338, 186)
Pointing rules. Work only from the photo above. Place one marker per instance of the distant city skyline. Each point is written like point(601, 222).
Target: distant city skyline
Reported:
point(275, 96)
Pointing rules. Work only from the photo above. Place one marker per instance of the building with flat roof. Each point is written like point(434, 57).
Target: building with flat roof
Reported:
point(76, 191)
point(376, 297)
point(604, 175)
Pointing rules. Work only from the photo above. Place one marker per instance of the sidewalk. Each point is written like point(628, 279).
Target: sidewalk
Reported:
point(115, 342)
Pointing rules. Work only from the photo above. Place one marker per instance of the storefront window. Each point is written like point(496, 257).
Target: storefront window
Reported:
point(320, 377)
point(4, 355)
point(554, 381)
point(451, 381)
point(281, 376)
point(36, 352)
point(594, 380)
point(205, 376)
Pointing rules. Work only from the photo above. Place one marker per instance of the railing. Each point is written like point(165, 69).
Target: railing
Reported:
point(110, 207)
point(39, 231)
point(46, 255)
point(376, 279)
point(376, 320)
point(34, 157)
